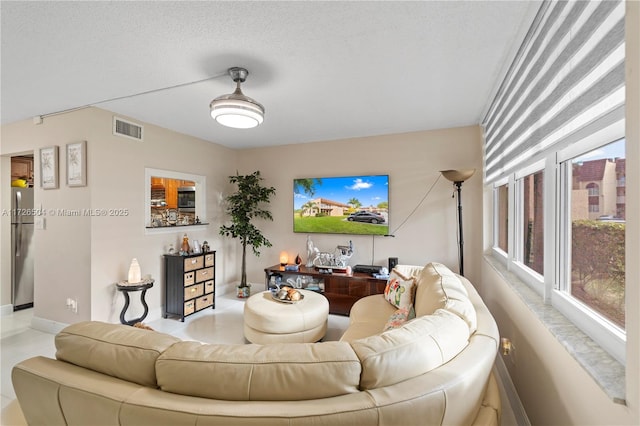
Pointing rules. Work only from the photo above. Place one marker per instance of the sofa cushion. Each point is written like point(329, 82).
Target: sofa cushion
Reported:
point(280, 372)
point(118, 350)
point(399, 290)
point(397, 319)
point(367, 317)
point(415, 348)
point(439, 288)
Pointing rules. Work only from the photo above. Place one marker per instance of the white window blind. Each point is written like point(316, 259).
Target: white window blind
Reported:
point(567, 81)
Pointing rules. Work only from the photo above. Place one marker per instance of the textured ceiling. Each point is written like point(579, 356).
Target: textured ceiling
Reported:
point(323, 70)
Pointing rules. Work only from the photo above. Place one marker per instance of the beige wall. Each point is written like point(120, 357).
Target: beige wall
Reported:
point(81, 257)
point(413, 162)
point(554, 389)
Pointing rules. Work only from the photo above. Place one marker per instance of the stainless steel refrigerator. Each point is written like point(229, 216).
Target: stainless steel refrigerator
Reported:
point(22, 248)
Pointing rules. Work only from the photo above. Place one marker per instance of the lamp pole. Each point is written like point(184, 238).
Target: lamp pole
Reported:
point(457, 177)
point(458, 185)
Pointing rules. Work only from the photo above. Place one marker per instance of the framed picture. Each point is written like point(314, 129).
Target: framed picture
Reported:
point(49, 167)
point(77, 164)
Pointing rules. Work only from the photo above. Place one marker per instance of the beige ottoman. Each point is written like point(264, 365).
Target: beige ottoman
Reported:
point(269, 321)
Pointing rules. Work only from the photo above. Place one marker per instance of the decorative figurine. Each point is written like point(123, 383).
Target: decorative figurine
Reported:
point(184, 249)
point(205, 246)
point(312, 251)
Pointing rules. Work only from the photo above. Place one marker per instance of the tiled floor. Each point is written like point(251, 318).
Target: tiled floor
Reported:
point(220, 325)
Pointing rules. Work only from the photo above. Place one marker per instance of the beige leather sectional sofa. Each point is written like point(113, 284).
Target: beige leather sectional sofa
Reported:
point(433, 370)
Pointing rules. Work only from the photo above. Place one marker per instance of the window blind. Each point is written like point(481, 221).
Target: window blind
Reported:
point(567, 79)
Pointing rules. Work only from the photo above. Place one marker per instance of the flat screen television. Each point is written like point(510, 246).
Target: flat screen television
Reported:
point(341, 205)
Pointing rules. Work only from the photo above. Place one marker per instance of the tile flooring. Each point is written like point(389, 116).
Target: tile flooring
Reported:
point(220, 325)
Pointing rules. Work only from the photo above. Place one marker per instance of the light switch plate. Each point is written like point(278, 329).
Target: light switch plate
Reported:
point(40, 222)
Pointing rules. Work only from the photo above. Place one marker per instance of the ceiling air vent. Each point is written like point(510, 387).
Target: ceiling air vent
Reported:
point(127, 129)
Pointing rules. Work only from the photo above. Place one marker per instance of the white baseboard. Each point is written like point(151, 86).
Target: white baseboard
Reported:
point(48, 326)
point(508, 388)
point(6, 310)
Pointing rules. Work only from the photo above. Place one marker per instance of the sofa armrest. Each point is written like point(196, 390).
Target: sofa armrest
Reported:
point(53, 392)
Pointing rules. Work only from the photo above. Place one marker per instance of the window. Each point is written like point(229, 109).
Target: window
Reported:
point(502, 197)
point(587, 282)
point(596, 265)
point(532, 223)
point(166, 201)
point(592, 188)
point(558, 107)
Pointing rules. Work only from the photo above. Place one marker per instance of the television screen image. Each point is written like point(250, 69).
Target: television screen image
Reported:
point(341, 205)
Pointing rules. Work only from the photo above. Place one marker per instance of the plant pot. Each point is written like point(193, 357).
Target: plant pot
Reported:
point(243, 292)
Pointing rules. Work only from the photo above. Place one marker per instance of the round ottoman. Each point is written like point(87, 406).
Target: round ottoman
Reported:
point(268, 321)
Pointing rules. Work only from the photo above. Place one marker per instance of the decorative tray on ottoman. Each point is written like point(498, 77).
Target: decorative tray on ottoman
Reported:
point(275, 297)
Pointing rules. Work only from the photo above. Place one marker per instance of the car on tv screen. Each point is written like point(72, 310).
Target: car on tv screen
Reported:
point(366, 217)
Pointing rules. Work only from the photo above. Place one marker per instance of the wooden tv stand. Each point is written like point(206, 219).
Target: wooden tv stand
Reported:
point(340, 289)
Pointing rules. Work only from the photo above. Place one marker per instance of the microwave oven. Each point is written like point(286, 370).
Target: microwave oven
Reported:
point(187, 198)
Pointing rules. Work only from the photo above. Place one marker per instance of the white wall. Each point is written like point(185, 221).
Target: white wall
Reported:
point(82, 257)
point(413, 162)
point(554, 389)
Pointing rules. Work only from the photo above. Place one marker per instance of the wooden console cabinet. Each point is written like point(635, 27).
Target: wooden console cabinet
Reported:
point(190, 283)
point(341, 290)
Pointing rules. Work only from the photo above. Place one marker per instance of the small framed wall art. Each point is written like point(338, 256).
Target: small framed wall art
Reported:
point(49, 167)
point(77, 164)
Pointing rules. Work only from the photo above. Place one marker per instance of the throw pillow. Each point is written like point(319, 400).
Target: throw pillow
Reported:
point(142, 326)
point(399, 290)
point(399, 317)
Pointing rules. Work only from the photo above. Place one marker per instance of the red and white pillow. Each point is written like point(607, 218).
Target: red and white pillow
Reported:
point(400, 290)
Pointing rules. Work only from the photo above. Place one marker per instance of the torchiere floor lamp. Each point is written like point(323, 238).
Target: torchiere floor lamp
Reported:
point(457, 177)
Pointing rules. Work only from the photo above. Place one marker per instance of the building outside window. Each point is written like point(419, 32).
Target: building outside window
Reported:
point(597, 237)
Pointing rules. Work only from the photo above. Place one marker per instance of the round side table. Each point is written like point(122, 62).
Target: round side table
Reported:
point(126, 288)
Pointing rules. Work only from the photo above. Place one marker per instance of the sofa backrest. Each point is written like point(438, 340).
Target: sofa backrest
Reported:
point(417, 347)
point(117, 350)
point(439, 288)
point(278, 372)
point(445, 318)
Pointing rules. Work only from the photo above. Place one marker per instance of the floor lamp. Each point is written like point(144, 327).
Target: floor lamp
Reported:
point(457, 177)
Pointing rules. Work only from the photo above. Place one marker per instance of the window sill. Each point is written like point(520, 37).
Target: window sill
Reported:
point(608, 373)
point(149, 230)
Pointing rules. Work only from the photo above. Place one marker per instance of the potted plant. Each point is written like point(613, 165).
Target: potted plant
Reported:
point(244, 206)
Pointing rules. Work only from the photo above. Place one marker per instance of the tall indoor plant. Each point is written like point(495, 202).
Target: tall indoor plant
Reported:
point(243, 206)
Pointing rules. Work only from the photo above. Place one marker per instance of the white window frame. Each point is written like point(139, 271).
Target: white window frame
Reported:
point(608, 335)
point(557, 241)
point(495, 247)
point(528, 275)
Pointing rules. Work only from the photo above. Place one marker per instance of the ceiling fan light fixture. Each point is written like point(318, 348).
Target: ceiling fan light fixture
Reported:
point(237, 110)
